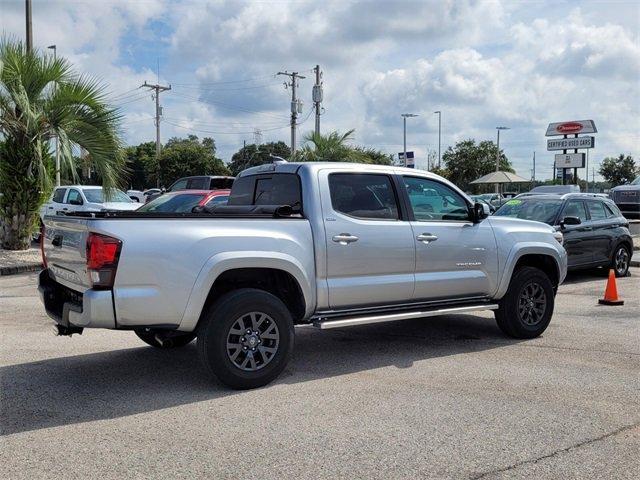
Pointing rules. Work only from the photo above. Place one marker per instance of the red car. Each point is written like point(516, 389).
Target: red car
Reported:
point(183, 201)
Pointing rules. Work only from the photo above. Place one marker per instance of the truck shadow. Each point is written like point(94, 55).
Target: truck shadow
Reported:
point(113, 384)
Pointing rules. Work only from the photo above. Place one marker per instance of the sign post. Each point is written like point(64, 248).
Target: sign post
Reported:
point(573, 160)
point(409, 162)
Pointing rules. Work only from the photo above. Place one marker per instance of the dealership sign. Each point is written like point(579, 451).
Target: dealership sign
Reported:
point(571, 128)
point(570, 143)
point(569, 160)
point(410, 163)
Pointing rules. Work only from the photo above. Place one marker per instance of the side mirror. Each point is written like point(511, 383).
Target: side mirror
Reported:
point(480, 211)
point(75, 201)
point(570, 221)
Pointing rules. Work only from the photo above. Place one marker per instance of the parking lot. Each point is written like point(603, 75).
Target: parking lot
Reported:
point(446, 397)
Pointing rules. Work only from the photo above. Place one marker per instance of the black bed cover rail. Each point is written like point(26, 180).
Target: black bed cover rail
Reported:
point(215, 211)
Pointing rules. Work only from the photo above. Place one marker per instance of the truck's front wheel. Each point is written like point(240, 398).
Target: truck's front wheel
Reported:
point(526, 309)
point(246, 338)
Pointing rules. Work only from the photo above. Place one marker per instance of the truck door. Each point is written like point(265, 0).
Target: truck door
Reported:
point(370, 247)
point(455, 258)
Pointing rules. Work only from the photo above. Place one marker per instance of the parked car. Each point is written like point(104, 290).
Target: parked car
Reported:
point(552, 189)
point(201, 182)
point(185, 200)
point(627, 198)
point(483, 199)
point(595, 232)
point(324, 244)
point(85, 198)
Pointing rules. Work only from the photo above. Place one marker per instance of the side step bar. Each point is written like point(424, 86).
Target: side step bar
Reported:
point(391, 317)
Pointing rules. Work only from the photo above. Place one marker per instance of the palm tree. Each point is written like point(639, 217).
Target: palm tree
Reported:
point(41, 98)
point(335, 147)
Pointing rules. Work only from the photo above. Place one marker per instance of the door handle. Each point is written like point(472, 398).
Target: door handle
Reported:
point(345, 238)
point(426, 238)
point(65, 209)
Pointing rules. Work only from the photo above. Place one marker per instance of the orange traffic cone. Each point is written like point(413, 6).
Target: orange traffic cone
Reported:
point(611, 292)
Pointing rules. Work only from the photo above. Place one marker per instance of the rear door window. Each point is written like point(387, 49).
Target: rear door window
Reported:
point(596, 210)
point(58, 195)
point(366, 196)
point(221, 183)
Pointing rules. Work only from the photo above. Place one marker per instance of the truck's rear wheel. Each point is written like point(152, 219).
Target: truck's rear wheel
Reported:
point(246, 338)
point(161, 339)
point(526, 309)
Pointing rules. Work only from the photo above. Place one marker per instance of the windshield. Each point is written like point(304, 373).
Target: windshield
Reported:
point(540, 210)
point(94, 195)
point(180, 203)
point(636, 181)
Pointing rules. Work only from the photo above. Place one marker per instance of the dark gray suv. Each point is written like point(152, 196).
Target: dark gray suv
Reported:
point(596, 234)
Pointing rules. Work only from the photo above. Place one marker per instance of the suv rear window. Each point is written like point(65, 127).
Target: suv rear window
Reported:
point(273, 189)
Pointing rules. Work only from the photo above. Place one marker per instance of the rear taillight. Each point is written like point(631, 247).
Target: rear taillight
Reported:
point(44, 259)
point(103, 253)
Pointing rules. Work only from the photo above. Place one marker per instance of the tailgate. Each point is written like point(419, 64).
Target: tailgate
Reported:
point(65, 246)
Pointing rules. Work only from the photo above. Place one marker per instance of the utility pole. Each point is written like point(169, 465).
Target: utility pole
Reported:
point(158, 88)
point(29, 29)
point(317, 97)
point(586, 171)
point(534, 166)
point(296, 107)
point(439, 134)
point(498, 155)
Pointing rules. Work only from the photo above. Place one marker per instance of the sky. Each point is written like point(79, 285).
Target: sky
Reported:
point(483, 63)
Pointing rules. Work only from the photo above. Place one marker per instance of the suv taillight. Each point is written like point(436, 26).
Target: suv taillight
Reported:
point(103, 253)
point(44, 259)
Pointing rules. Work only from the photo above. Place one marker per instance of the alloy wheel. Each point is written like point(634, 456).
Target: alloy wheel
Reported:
point(252, 341)
point(621, 261)
point(532, 303)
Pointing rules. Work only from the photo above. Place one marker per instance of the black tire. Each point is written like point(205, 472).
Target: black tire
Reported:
point(222, 350)
point(521, 313)
point(620, 261)
point(166, 339)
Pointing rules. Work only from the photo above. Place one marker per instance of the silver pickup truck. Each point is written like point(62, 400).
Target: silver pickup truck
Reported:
point(326, 244)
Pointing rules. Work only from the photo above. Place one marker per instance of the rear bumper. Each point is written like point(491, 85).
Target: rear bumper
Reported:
point(91, 309)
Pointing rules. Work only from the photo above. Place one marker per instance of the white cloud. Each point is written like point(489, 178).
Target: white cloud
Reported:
point(482, 63)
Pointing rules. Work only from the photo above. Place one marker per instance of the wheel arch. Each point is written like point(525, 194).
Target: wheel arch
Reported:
point(274, 272)
point(542, 257)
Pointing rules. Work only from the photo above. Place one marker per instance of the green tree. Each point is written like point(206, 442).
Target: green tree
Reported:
point(254, 155)
point(469, 160)
point(620, 170)
point(183, 157)
point(142, 165)
point(335, 147)
point(41, 98)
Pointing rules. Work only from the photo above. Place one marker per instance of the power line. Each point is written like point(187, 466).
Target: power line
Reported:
point(224, 133)
point(231, 107)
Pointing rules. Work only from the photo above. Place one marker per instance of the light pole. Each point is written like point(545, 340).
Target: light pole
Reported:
point(55, 57)
point(439, 134)
point(404, 124)
point(498, 155)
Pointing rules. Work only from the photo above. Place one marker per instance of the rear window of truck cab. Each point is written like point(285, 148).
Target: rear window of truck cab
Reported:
point(269, 189)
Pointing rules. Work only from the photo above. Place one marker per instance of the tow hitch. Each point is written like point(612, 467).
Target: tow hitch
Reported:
point(61, 330)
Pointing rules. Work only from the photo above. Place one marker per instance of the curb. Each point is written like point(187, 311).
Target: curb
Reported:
point(25, 267)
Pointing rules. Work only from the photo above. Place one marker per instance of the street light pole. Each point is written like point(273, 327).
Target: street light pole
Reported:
point(55, 57)
point(29, 34)
point(439, 134)
point(498, 155)
point(404, 124)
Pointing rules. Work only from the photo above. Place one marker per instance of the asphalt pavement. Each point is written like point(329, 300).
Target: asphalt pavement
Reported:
point(446, 397)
